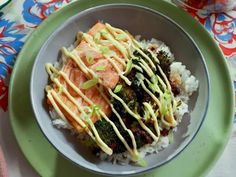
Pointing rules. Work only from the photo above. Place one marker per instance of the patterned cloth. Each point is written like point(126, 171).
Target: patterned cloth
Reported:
point(19, 18)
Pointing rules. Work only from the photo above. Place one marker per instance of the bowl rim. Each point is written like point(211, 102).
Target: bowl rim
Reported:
point(119, 5)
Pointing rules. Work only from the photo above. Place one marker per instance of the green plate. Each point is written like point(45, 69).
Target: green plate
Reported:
point(205, 148)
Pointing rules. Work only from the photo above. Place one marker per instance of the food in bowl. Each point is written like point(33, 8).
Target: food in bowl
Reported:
point(122, 96)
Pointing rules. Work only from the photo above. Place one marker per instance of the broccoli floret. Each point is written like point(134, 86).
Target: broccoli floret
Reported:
point(141, 136)
point(108, 135)
point(129, 96)
point(126, 92)
point(141, 95)
point(150, 56)
point(118, 107)
point(136, 87)
point(138, 55)
point(165, 61)
point(164, 58)
point(136, 61)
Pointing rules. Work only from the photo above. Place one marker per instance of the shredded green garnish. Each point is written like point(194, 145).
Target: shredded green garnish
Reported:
point(104, 42)
point(128, 67)
point(152, 87)
point(97, 37)
point(142, 162)
point(118, 88)
point(171, 136)
point(96, 110)
point(154, 79)
point(120, 37)
point(96, 107)
point(89, 57)
point(89, 111)
point(104, 32)
point(105, 50)
point(86, 113)
point(148, 110)
point(167, 95)
point(154, 84)
point(165, 102)
point(89, 83)
point(146, 115)
point(101, 68)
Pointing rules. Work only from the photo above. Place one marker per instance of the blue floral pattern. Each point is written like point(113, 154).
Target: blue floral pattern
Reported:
point(11, 41)
point(34, 12)
point(13, 34)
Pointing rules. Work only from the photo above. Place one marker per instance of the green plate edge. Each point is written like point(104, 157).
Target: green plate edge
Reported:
point(2, 5)
point(207, 146)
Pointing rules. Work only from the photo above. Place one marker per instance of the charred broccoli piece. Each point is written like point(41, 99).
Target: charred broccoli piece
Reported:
point(129, 96)
point(141, 95)
point(165, 61)
point(108, 135)
point(150, 56)
point(141, 136)
point(118, 107)
point(138, 55)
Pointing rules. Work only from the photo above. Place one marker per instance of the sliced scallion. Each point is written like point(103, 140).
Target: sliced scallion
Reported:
point(96, 110)
point(128, 67)
point(120, 37)
point(89, 83)
point(97, 37)
point(149, 109)
point(142, 162)
point(171, 136)
point(101, 68)
point(89, 57)
point(118, 88)
point(166, 101)
point(105, 50)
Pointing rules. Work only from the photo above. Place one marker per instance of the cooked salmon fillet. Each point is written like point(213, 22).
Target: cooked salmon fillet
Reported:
point(109, 78)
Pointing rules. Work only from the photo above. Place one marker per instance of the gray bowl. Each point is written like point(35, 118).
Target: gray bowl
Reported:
point(137, 20)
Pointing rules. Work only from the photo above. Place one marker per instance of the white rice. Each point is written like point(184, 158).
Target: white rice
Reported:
point(125, 158)
point(183, 79)
point(179, 75)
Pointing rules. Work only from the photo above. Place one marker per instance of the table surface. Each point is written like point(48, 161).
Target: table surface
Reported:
point(20, 18)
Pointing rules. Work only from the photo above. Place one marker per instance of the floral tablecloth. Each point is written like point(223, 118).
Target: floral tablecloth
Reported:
point(19, 18)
